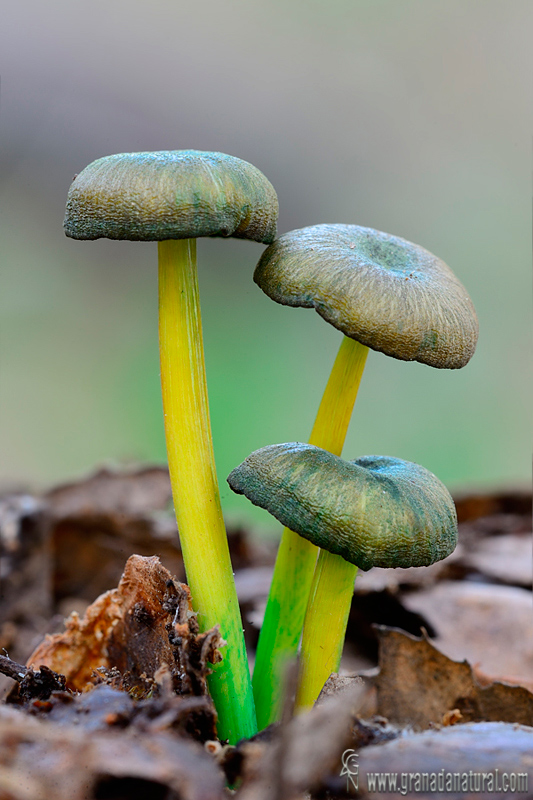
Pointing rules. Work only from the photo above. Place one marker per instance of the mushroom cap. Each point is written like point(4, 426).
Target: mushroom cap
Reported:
point(389, 294)
point(376, 511)
point(175, 194)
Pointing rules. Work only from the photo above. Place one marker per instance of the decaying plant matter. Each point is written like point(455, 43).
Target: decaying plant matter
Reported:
point(127, 734)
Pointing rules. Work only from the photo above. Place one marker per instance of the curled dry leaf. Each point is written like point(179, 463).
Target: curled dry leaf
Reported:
point(145, 624)
point(125, 493)
point(418, 685)
point(474, 727)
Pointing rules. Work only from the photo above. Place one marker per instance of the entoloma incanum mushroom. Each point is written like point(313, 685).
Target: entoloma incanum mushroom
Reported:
point(384, 293)
point(172, 198)
point(374, 511)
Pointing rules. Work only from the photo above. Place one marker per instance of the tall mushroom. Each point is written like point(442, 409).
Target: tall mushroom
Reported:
point(374, 511)
point(383, 293)
point(173, 197)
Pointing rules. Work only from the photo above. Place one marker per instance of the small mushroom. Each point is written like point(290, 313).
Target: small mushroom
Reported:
point(173, 197)
point(383, 293)
point(375, 511)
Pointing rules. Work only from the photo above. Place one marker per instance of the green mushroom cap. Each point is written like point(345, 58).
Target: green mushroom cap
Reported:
point(176, 194)
point(375, 511)
point(385, 292)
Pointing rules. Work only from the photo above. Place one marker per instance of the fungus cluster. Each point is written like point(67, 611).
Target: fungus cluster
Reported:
point(383, 293)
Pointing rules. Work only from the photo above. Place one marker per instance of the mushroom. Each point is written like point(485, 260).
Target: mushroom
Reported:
point(172, 197)
point(383, 293)
point(375, 511)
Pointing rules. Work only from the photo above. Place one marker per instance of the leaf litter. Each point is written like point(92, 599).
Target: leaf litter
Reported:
point(116, 705)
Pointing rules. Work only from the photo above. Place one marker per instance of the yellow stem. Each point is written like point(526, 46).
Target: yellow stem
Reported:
point(331, 590)
point(296, 559)
point(194, 484)
point(336, 406)
point(325, 625)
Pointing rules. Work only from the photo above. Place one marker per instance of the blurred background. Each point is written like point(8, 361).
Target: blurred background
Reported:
point(412, 117)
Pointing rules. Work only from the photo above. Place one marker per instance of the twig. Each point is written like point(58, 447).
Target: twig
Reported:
point(13, 670)
point(33, 685)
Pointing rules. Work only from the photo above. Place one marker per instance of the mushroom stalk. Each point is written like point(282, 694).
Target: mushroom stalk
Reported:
point(296, 559)
point(325, 623)
point(194, 483)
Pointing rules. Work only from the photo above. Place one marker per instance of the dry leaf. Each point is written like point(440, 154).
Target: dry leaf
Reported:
point(129, 494)
point(490, 625)
point(417, 685)
point(143, 625)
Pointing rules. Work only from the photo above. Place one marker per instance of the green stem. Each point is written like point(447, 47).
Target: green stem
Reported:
point(194, 484)
point(295, 563)
point(282, 624)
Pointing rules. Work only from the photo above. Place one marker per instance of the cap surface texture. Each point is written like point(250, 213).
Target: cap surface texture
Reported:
point(375, 511)
point(387, 293)
point(175, 194)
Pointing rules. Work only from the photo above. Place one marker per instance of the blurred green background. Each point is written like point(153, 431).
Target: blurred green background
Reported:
point(409, 116)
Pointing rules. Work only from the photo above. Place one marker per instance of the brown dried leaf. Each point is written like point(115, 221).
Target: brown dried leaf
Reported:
point(336, 684)
point(490, 625)
point(106, 707)
point(82, 649)
point(145, 624)
point(417, 685)
point(343, 683)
